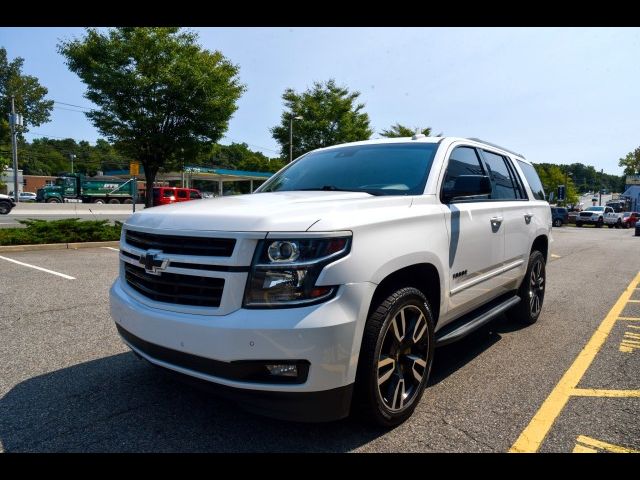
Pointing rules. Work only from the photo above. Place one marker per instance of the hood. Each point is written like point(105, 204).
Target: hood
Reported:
point(261, 212)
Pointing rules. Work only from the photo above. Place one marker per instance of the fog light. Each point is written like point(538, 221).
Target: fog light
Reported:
point(283, 370)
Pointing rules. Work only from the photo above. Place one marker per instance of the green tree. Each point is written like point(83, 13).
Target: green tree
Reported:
point(399, 130)
point(631, 162)
point(552, 176)
point(29, 96)
point(330, 115)
point(158, 92)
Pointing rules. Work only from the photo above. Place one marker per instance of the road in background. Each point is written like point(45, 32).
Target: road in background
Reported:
point(69, 384)
point(55, 211)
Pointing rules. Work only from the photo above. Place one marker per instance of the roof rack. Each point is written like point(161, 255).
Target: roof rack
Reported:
point(496, 146)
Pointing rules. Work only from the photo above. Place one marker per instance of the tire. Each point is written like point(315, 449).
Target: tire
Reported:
point(5, 208)
point(127, 201)
point(528, 310)
point(113, 201)
point(99, 201)
point(619, 224)
point(557, 222)
point(578, 224)
point(625, 225)
point(599, 223)
point(379, 396)
point(53, 200)
point(611, 225)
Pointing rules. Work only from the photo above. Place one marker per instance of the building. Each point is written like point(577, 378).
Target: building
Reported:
point(6, 181)
point(33, 182)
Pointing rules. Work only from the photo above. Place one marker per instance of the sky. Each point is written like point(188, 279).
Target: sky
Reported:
point(556, 95)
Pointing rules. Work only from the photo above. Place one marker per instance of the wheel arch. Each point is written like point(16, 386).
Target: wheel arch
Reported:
point(541, 243)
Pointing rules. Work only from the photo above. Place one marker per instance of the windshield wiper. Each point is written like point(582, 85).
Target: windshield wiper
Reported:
point(333, 188)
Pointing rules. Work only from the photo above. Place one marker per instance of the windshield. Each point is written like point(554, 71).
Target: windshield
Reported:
point(382, 169)
point(595, 209)
point(626, 214)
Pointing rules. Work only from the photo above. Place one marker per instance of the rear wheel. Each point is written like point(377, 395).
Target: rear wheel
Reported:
point(5, 208)
point(114, 201)
point(611, 225)
point(127, 201)
point(531, 291)
point(619, 224)
point(578, 224)
point(557, 222)
point(98, 201)
point(395, 357)
point(599, 223)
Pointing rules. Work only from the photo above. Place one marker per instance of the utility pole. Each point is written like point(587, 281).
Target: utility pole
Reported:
point(601, 174)
point(14, 120)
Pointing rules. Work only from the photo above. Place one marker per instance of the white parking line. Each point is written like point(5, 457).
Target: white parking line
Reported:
point(38, 268)
point(111, 248)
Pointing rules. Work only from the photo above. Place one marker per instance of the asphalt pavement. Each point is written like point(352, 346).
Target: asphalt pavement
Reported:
point(68, 384)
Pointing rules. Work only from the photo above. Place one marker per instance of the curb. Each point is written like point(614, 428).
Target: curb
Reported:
point(57, 246)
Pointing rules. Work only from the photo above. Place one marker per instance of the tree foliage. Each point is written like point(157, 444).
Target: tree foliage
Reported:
point(631, 162)
point(399, 130)
point(158, 93)
point(331, 115)
point(29, 96)
point(552, 176)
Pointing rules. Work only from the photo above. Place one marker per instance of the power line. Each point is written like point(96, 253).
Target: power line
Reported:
point(71, 105)
point(70, 109)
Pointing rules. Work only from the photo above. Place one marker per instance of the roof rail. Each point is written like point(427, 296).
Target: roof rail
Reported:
point(496, 146)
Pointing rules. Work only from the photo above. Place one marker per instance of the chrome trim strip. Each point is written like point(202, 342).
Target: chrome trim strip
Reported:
point(486, 277)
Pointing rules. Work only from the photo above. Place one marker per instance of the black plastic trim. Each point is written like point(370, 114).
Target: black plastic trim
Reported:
point(242, 370)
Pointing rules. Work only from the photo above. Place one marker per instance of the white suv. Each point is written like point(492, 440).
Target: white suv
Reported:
point(328, 289)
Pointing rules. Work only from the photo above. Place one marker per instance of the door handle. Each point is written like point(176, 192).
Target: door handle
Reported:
point(527, 217)
point(495, 223)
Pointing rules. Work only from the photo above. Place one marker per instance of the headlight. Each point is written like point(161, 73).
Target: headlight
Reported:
point(284, 271)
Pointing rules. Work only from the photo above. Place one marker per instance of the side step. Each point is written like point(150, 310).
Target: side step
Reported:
point(471, 321)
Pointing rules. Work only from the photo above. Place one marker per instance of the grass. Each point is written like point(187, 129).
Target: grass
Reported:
point(60, 231)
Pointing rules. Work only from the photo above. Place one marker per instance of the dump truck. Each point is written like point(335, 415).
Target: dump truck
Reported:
point(88, 190)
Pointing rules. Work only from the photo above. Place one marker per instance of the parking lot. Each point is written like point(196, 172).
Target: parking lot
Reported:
point(571, 382)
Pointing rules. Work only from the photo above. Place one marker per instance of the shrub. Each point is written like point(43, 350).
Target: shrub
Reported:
point(68, 230)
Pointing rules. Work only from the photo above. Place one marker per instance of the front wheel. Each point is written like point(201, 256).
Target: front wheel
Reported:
point(5, 208)
point(557, 222)
point(531, 291)
point(395, 357)
point(600, 222)
point(53, 200)
point(114, 201)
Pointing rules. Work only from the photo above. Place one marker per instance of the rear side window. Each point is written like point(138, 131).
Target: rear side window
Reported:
point(167, 193)
point(182, 194)
point(504, 185)
point(533, 180)
point(194, 194)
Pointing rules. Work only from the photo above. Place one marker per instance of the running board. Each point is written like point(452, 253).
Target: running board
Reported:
point(474, 320)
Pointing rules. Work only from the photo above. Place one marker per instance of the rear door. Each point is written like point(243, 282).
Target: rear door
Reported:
point(476, 237)
point(182, 195)
point(519, 229)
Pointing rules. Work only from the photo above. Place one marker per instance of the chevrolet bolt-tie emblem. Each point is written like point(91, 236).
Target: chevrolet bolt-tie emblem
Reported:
point(152, 263)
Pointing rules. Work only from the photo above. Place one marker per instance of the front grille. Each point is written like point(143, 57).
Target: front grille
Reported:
point(586, 214)
point(175, 288)
point(216, 247)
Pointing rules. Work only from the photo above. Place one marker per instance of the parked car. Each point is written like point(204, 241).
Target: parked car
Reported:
point(27, 197)
point(594, 216)
point(167, 195)
point(559, 216)
point(339, 276)
point(6, 204)
point(629, 219)
point(638, 229)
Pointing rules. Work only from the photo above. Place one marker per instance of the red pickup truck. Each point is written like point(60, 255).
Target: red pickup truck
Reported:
point(167, 195)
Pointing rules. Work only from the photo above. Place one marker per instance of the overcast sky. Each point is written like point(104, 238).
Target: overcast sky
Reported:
point(558, 95)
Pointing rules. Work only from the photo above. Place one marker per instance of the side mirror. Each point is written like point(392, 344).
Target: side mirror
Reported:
point(467, 186)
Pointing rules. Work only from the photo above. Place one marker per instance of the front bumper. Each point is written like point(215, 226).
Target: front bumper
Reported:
point(327, 336)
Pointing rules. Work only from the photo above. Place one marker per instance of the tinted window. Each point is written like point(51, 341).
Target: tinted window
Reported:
point(533, 180)
point(381, 169)
point(166, 193)
point(503, 184)
point(463, 161)
point(182, 194)
point(194, 195)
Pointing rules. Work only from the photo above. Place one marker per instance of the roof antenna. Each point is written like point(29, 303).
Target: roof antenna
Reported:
point(418, 134)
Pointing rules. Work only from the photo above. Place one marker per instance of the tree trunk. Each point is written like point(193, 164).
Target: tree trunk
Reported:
point(150, 178)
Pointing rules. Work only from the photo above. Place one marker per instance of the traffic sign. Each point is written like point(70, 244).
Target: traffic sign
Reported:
point(134, 168)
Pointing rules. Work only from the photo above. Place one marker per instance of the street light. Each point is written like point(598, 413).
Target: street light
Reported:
point(71, 157)
point(291, 119)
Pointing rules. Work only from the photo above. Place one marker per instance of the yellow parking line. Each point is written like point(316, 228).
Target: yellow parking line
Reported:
point(594, 392)
point(628, 318)
point(582, 449)
point(533, 435)
point(592, 442)
point(553, 255)
point(634, 301)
